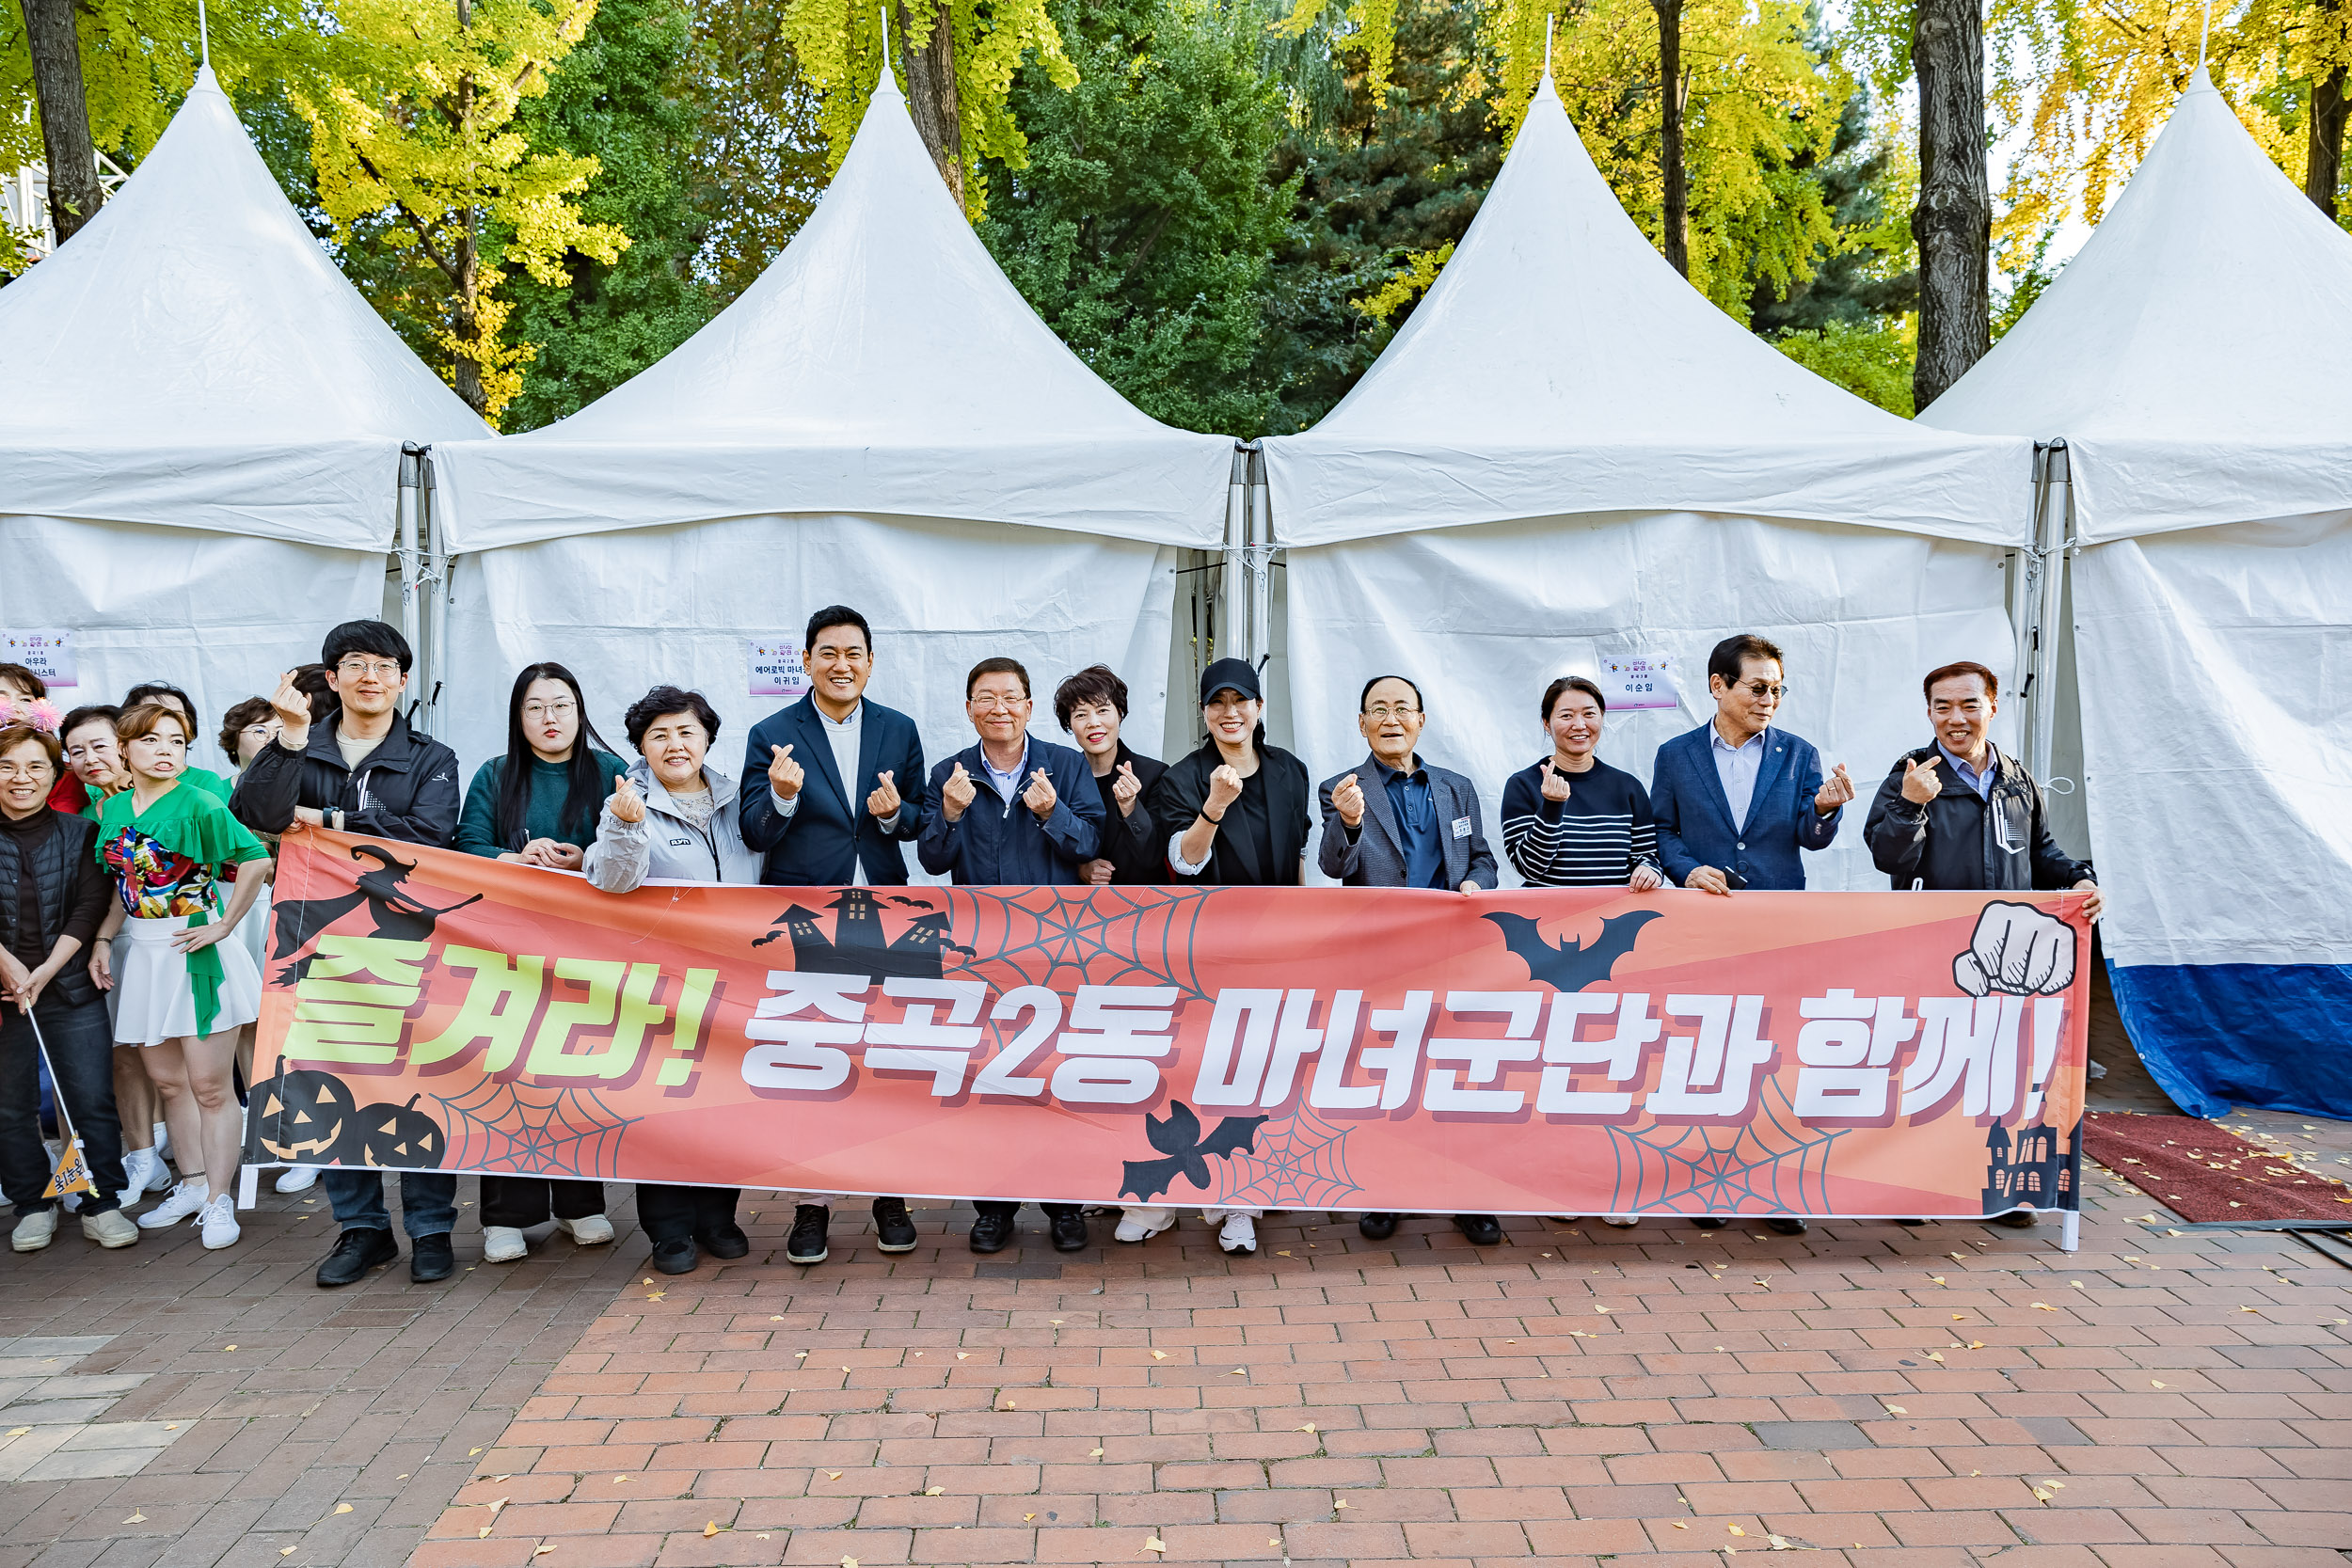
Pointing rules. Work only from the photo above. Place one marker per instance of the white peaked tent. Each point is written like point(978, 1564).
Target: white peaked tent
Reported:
point(1570, 454)
point(2193, 358)
point(201, 426)
point(881, 421)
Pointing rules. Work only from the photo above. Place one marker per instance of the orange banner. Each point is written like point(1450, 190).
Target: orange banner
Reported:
point(1575, 1052)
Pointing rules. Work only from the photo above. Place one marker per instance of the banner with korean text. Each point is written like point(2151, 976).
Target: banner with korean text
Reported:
point(1577, 1051)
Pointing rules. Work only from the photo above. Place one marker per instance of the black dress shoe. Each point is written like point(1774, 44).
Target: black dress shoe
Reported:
point(992, 1232)
point(1482, 1229)
point(1710, 1222)
point(2016, 1219)
point(724, 1241)
point(357, 1252)
point(1376, 1227)
point(806, 1245)
point(1911, 1224)
point(431, 1259)
point(1068, 1230)
point(893, 1230)
point(1788, 1225)
point(675, 1257)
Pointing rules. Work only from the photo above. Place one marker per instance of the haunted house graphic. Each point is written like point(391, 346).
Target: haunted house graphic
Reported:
point(859, 945)
point(2036, 1166)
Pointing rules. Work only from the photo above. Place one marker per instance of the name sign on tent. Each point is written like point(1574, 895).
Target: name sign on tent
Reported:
point(1556, 1050)
point(1646, 681)
point(47, 652)
point(776, 669)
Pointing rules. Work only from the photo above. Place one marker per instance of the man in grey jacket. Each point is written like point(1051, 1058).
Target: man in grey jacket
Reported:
point(1396, 821)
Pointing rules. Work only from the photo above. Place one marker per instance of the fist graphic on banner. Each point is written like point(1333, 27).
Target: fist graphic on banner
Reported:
point(2018, 950)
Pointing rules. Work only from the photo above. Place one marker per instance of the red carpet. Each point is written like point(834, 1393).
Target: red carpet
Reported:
point(2204, 1174)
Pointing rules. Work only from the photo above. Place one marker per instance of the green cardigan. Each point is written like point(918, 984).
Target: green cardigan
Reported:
point(551, 781)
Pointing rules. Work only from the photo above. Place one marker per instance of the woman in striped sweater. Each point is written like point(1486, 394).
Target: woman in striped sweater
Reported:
point(1571, 820)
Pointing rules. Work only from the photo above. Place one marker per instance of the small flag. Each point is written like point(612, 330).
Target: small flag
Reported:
point(72, 1173)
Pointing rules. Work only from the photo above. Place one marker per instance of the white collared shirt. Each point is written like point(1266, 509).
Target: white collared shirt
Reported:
point(844, 736)
point(1737, 768)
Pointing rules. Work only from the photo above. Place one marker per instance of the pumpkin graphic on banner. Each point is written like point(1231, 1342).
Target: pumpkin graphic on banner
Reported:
point(304, 1115)
point(400, 1137)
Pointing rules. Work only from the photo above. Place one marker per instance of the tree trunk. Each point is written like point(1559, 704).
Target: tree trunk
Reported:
point(1675, 227)
point(466, 323)
point(1953, 220)
point(2323, 169)
point(930, 73)
point(56, 46)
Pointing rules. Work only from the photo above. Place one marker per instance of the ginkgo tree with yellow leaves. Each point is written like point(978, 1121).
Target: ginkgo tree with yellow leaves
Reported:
point(414, 124)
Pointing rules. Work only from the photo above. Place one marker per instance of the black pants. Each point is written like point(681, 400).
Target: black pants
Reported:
point(82, 1056)
point(523, 1201)
point(1000, 1208)
point(677, 1214)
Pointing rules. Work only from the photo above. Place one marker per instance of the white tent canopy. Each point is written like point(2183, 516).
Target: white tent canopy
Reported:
point(1560, 366)
point(881, 365)
point(201, 425)
point(2192, 357)
point(1646, 478)
point(880, 420)
point(192, 358)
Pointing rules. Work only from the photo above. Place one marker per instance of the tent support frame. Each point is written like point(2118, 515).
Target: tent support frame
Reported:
point(2042, 599)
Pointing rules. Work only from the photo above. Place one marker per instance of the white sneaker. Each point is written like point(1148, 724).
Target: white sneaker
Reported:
point(110, 1230)
point(296, 1178)
point(163, 1143)
point(35, 1230)
point(218, 1219)
point(1142, 1225)
point(184, 1200)
point(503, 1243)
point(1622, 1222)
point(144, 1172)
point(1238, 1235)
point(1567, 1219)
point(587, 1231)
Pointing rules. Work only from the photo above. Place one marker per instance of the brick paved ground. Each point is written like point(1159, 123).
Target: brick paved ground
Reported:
point(2157, 1401)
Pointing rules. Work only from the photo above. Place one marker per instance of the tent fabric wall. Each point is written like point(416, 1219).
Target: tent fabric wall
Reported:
point(681, 605)
point(2217, 693)
point(1485, 618)
point(221, 616)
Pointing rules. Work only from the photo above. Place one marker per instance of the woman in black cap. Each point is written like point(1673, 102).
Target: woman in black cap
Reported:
point(1235, 813)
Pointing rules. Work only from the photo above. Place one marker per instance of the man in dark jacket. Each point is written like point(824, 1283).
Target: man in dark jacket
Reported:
point(1011, 810)
point(364, 770)
point(1092, 707)
point(832, 814)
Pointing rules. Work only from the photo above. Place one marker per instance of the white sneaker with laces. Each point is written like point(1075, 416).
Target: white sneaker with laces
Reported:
point(1238, 1235)
point(163, 1143)
point(1142, 1225)
point(35, 1231)
point(296, 1178)
point(1622, 1222)
point(218, 1218)
point(184, 1200)
point(587, 1231)
point(503, 1243)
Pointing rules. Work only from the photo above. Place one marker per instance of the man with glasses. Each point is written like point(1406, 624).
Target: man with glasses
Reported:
point(364, 770)
point(1013, 810)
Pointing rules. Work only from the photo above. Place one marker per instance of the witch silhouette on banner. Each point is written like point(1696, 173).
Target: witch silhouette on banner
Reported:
point(399, 915)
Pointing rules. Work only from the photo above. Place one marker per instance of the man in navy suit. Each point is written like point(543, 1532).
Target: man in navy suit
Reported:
point(1737, 799)
point(832, 816)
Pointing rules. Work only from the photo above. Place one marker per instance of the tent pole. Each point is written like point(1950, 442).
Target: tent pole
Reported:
point(1230, 632)
point(411, 560)
point(439, 566)
point(1260, 558)
point(2051, 531)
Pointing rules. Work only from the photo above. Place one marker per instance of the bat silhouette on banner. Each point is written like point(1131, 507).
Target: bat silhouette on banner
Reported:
point(1178, 1136)
point(1569, 966)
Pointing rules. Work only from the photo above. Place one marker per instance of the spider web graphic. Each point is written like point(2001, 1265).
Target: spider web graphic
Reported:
point(1766, 1165)
point(541, 1131)
point(1299, 1162)
point(1113, 936)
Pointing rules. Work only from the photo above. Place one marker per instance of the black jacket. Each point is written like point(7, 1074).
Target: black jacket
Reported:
point(405, 789)
point(72, 889)
point(1958, 843)
point(1133, 842)
point(1184, 789)
point(831, 833)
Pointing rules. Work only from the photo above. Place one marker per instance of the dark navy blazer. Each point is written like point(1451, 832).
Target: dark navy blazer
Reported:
point(1694, 825)
point(830, 832)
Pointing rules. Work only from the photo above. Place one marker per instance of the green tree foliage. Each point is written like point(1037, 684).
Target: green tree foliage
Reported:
point(758, 160)
point(1872, 361)
point(1141, 227)
point(624, 98)
point(1865, 272)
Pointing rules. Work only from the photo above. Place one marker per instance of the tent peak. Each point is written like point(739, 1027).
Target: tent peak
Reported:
point(887, 85)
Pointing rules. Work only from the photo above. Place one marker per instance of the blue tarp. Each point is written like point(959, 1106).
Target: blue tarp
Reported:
point(2217, 1036)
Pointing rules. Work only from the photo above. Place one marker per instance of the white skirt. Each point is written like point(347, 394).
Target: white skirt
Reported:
point(154, 1001)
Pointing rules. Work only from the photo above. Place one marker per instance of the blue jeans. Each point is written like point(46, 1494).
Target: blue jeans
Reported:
point(82, 1053)
point(428, 1201)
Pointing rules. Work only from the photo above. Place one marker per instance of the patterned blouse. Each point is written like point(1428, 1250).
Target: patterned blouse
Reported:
point(146, 852)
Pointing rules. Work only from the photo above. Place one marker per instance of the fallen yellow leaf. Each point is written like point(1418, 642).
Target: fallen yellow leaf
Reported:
point(342, 1508)
point(18, 1431)
point(543, 1550)
point(710, 1527)
point(2153, 1384)
point(1159, 1355)
point(229, 1347)
point(848, 1562)
point(963, 1355)
point(2040, 1495)
point(1153, 1544)
point(933, 1490)
point(1309, 1427)
point(1342, 1503)
point(288, 1551)
point(2044, 1306)
point(1935, 1355)
point(1027, 1518)
point(833, 1475)
point(135, 1518)
point(1680, 1525)
point(1094, 1453)
point(1238, 1371)
point(1975, 1344)
point(1735, 1529)
point(1897, 1410)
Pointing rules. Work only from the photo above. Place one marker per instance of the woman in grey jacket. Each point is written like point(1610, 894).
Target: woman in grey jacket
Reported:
point(672, 818)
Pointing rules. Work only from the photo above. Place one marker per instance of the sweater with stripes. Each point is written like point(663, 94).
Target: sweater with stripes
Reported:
point(1594, 838)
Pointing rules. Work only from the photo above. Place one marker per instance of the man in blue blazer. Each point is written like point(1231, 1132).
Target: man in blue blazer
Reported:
point(830, 814)
point(1736, 799)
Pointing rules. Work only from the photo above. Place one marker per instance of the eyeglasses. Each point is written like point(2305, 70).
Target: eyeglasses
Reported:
point(563, 708)
point(1382, 710)
point(991, 702)
point(25, 770)
point(358, 669)
point(1763, 691)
